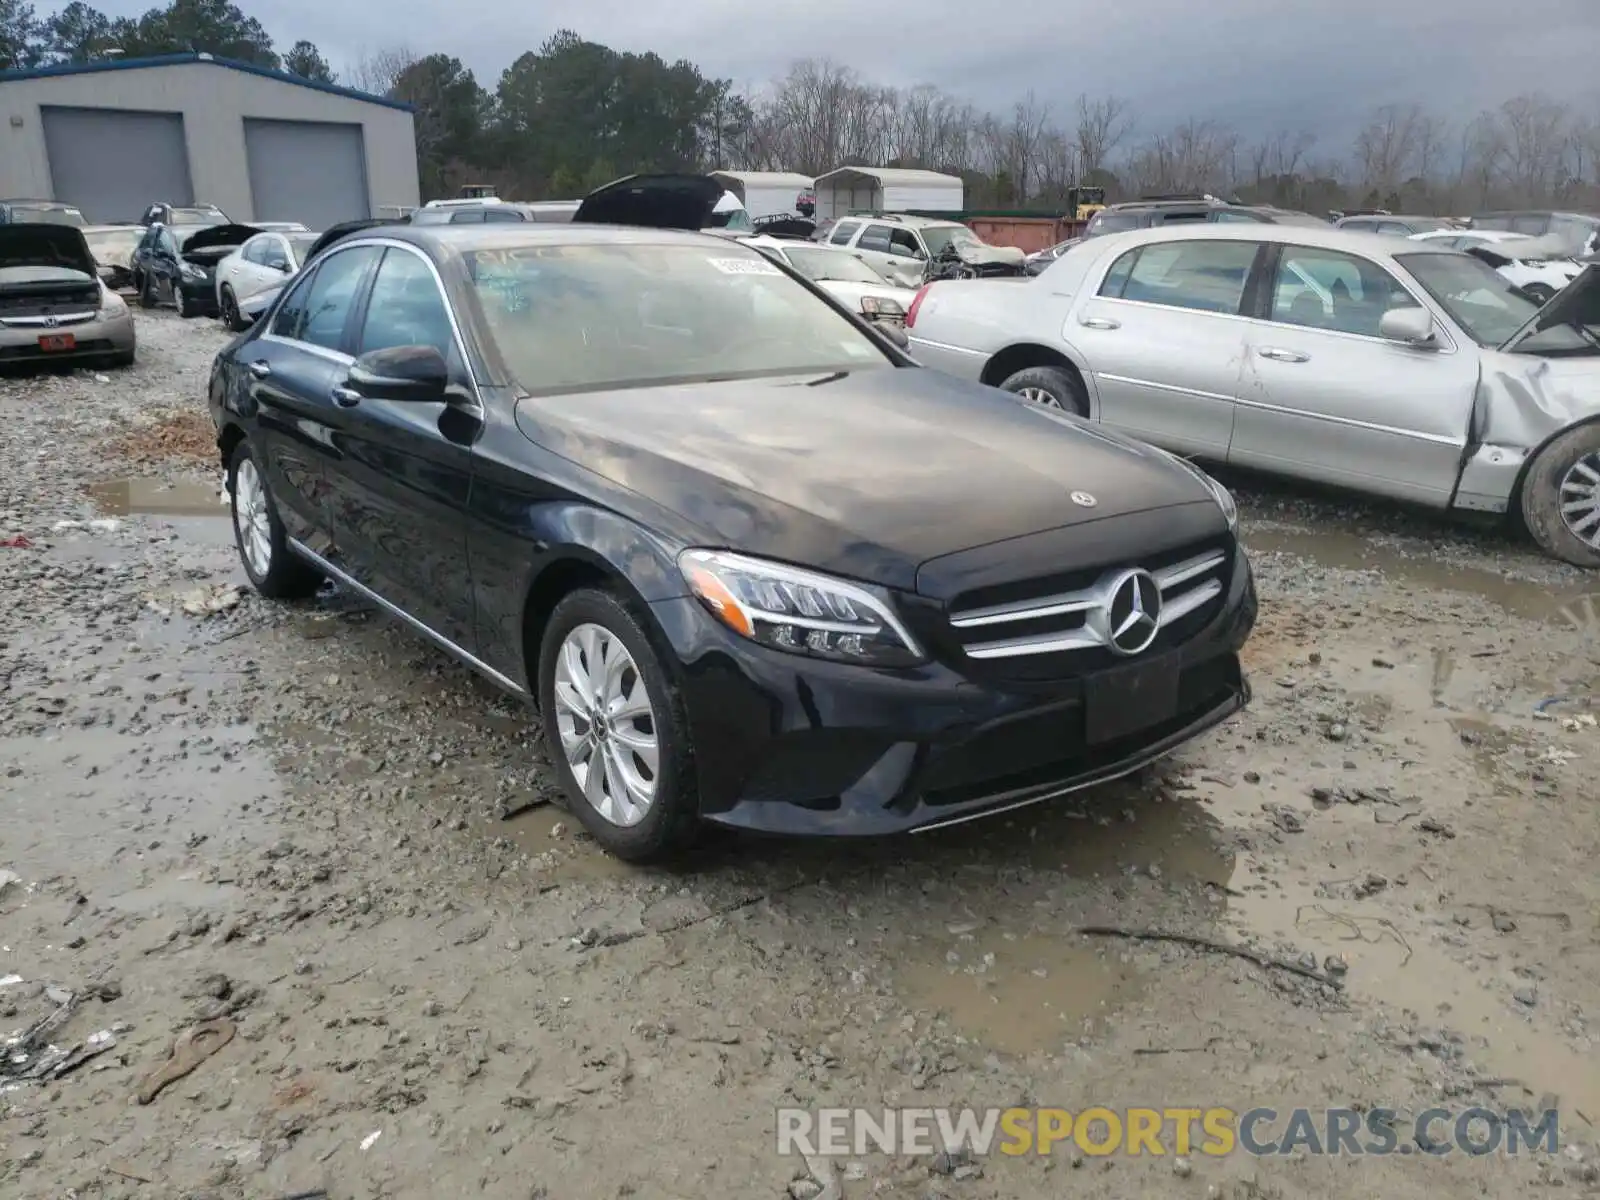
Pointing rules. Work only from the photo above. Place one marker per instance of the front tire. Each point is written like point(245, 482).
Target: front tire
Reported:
point(230, 311)
point(147, 291)
point(1049, 387)
point(616, 729)
point(1560, 498)
point(185, 305)
point(273, 569)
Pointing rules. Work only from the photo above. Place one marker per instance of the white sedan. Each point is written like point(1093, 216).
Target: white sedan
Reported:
point(843, 273)
point(261, 264)
point(1525, 261)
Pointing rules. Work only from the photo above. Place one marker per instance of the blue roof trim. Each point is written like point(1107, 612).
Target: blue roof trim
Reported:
point(174, 60)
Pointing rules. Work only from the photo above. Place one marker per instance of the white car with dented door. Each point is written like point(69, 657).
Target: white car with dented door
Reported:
point(260, 265)
point(1380, 364)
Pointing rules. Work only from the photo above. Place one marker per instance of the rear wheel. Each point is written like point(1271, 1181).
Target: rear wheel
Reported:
point(1049, 387)
point(615, 726)
point(273, 569)
point(1560, 498)
point(147, 291)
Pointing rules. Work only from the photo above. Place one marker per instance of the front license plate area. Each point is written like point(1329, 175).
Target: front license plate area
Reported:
point(57, 341)
point(1128, 699)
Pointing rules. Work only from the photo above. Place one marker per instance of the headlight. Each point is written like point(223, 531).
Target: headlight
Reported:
point(193, 273)
point(871, 306)
point(111, 304)
point(799, 611)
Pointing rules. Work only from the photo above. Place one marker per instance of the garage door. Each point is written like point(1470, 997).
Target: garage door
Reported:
point(307, 171)
point(114, 164)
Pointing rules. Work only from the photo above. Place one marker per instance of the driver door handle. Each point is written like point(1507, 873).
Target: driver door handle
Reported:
point(346, 397)
point(261, 368)
point(1100, 323)
point(1288, 356)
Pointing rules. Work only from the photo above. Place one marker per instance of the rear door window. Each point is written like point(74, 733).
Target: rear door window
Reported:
point(318, 309)
point(875, 237)
point(1204, 276)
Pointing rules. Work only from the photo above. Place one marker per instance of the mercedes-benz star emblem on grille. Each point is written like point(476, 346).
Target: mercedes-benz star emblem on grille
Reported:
point(1084, 500)
point(51, 322)
point(1133, 617)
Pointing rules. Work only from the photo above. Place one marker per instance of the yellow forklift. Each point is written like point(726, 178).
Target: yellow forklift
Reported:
point(1086, 201)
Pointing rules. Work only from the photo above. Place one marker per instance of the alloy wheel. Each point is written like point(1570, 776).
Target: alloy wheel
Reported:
point(606, 724)
point(1035, 395)
point(1579, 498)
point(251, 518)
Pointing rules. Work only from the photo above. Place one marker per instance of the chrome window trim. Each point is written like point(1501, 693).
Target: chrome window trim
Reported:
point(438, 282)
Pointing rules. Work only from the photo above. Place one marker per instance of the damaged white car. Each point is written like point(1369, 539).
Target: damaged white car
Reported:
point(1541, 267)
point(1374, 363)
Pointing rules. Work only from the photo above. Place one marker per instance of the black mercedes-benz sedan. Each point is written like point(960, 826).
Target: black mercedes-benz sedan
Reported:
point(752, 565)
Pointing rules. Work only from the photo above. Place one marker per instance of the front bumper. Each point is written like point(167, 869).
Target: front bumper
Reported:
point(790, 745)
point(101, 337)
point(201, 295)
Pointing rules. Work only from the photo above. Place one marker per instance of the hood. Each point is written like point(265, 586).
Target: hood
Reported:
point(866, 475)
point(59, 247)
point(986, 255)
point(219, 235)
point(1577, 303)
point(655, 202)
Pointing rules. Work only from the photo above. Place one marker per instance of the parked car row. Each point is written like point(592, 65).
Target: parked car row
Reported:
point(752, 564)
point(54, 304)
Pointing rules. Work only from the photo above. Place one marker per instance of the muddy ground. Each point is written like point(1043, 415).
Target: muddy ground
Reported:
point(292, 820)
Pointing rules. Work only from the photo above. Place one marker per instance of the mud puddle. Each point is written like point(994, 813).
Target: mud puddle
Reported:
point(1395, 965)
point(1020, 992)
point(1569, 605)
point(155, 497)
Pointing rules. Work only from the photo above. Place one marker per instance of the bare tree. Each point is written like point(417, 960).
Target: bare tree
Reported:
point(376, 72)
point(1386, 147)
point(1102, 126)
point(1535, 133)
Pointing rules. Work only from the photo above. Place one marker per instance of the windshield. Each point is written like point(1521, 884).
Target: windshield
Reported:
point(817, 265)
point(1477, 297)
point(1109, 222)
point(1568, 325)
point(590, 317)
point(941, 237)
point(1427, 224)
point(115, 245)
point(186, 216)
point(737, 220)
point(23, 215)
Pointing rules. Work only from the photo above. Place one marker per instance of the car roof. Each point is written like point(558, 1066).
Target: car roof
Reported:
point(1371, 245)
point(508, 236)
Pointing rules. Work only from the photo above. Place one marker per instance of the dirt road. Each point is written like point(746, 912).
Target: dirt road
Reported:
point(288, 822)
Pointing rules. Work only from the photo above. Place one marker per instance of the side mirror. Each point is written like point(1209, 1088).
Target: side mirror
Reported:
point(895, 332)
point(279, 264)
point(1411, 326)
point(401, 373)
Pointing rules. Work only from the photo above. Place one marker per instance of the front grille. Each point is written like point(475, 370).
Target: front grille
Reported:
point(53, 302)
point(1062, 622)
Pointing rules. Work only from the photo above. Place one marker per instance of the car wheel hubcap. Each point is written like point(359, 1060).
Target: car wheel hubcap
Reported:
point(251, 520)
point(606, 725)
point(1579, 497)
point(1039, 396)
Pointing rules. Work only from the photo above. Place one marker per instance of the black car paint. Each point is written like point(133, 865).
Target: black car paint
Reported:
point(466, 516)
point(154, 259)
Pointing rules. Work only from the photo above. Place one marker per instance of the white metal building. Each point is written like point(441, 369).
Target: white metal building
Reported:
point(765, 193)
point(114, 137)
point(887, 189)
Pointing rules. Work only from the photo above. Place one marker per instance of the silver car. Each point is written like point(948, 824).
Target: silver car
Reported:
point(1369, 362)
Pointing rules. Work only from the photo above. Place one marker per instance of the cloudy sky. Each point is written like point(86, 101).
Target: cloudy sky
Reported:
point(1260, 65)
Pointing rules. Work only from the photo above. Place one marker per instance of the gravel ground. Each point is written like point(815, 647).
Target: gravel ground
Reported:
point(294, 822)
